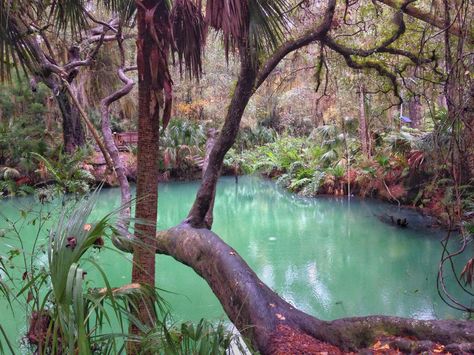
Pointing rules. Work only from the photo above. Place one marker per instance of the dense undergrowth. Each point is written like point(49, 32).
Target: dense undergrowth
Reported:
point(65, 312)
point(405, 167)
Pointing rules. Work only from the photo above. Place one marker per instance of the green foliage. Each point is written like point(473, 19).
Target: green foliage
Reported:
point(72, 318)
point(202, 338)
point(181, 132)
point(11, 188)
point(22, 114)
point(297, 163)
point(248, 138)
point(66, 172)
point(183, 143)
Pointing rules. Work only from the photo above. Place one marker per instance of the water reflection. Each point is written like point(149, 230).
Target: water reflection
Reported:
point(329, 257)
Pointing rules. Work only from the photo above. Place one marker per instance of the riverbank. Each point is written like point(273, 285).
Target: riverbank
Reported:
point(387, 180)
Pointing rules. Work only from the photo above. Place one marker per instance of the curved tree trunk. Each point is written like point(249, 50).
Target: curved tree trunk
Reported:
point(113, 151)
point(240, 98)
point(264, 318)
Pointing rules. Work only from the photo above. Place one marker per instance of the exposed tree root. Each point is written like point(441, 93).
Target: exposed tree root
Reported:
point(261, 315)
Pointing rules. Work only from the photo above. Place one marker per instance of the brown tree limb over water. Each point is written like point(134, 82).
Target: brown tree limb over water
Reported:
point(258, 312)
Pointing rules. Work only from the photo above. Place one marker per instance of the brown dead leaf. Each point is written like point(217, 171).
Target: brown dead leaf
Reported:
point(467, 273)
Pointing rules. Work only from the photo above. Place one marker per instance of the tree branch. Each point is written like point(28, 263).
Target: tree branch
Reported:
point(259, 313)
point(424, 16)
point(308, 37)
point(112, 149)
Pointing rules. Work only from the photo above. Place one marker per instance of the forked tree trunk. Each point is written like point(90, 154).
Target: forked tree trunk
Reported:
point(73, 133)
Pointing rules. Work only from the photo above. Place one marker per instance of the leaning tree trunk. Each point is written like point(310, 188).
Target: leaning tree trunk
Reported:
point(243, 92)
point(269, 322)
point(211, 141)
point(73, 133)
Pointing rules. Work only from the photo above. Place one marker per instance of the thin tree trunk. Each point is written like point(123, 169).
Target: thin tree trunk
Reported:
point(113, 151)
point(363, 132)
point(415, 111)
point(211, 141)
point(468, 134)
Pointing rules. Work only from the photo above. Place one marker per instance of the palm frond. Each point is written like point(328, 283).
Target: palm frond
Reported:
point(268, 24)
point(260, 23)
point(189, 35)
point(68, 13)
point(126, 9)
point(15, 50)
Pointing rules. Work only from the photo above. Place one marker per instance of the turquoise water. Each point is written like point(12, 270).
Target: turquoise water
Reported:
point(329, 257)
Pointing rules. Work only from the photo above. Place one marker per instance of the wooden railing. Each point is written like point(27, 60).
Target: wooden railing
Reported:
point(124, 139)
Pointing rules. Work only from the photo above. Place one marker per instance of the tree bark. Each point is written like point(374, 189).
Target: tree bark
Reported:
point(415, 111)
point(73, 133)
point(124, 216)
point(468, 134)
point(211, 141)
point(143, 270)
point(437, 22)
point(363, 131)
point(242, 94)
point(260, 314)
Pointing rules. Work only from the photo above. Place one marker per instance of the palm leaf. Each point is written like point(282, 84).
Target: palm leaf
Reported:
point(189, 35)
point(15, 50)
point(261, 23)
point(126, 9)
point(68, 13)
